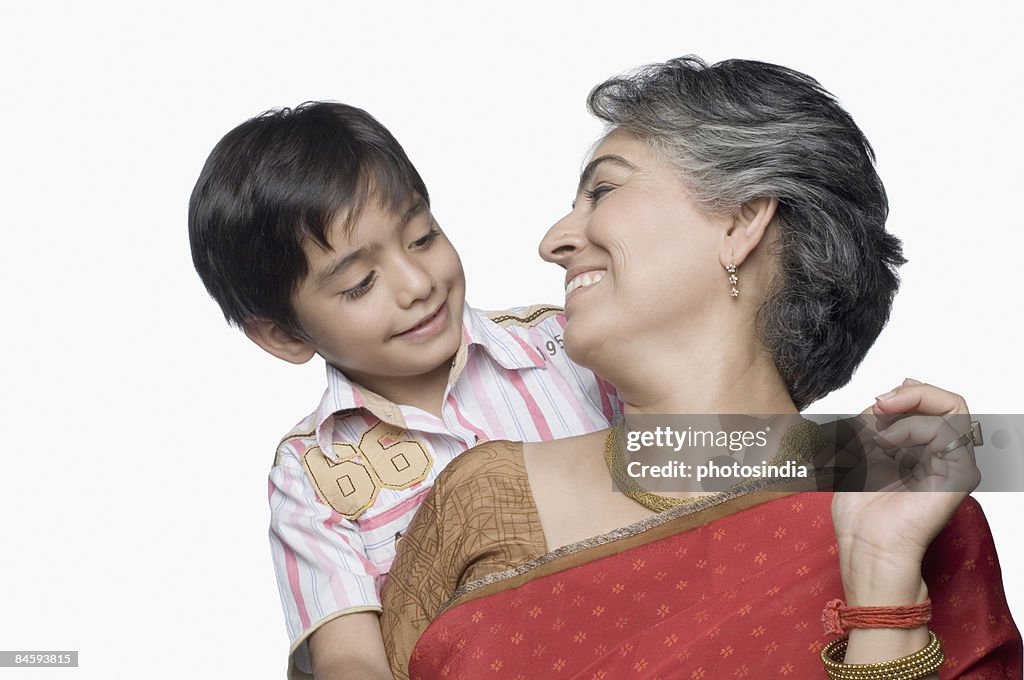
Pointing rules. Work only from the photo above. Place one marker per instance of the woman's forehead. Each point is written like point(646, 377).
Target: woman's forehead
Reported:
point(621, 146)
point(618, 140)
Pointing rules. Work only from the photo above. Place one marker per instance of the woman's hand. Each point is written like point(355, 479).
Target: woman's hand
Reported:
point(883, 535)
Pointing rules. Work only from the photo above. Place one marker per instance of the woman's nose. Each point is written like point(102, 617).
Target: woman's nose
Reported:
point(563, 240)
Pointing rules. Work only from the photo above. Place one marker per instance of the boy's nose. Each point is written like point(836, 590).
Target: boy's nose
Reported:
point(415, 284)
point(563, 240)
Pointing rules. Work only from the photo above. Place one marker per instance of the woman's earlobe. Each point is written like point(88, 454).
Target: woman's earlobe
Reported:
point(748, 228)
point(279, 342)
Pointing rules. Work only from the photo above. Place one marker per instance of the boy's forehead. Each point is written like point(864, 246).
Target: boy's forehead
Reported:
point(375, 220)
point(351, 240)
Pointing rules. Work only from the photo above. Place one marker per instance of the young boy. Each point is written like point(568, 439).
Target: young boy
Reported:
point(312, 230)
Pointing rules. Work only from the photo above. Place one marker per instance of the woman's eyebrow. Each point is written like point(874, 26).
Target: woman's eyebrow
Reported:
point(588, 172)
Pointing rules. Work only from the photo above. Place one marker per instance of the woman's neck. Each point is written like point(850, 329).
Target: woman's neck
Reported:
point(722, 379)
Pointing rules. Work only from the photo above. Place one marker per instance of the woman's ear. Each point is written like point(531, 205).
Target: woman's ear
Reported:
point(276, 340)
point(748, 228)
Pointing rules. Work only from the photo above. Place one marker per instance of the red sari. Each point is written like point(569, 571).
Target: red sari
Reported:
point(735, 590)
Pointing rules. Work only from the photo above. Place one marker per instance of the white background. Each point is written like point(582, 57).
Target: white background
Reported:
point(139, 428)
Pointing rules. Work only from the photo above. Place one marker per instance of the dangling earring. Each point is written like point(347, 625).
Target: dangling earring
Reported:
point(733, 279)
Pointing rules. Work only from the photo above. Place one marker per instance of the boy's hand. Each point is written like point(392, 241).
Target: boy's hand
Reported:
point(350, 648)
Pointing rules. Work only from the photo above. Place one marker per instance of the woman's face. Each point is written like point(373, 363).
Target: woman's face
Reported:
point(643, 262)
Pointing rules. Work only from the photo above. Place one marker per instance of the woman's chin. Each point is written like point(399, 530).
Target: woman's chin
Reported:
point(582, 345)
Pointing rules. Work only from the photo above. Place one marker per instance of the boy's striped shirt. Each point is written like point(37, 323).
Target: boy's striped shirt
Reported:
point(348, 479)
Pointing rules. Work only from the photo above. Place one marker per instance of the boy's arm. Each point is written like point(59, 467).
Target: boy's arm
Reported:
point(322, 568)
point(349, 648)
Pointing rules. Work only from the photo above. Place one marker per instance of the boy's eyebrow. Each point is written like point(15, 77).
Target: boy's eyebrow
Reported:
point(592, 166)
point(418, 206)
point(343, 263)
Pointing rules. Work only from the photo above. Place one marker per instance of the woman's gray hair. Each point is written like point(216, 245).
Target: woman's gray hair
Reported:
point(741, 130)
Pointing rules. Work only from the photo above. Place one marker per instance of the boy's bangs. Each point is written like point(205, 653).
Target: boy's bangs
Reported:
point(388, 185)
point(392, 183)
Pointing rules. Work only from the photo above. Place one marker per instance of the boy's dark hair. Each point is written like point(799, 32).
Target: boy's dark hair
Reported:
point(276, 181)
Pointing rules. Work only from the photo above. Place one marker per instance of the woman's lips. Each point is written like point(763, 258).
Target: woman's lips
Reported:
point(429, 327)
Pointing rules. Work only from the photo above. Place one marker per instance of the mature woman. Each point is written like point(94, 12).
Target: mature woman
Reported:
point(726, 253)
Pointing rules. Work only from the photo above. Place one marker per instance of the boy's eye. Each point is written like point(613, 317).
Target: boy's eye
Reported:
point(427, 239)
point(361, 288)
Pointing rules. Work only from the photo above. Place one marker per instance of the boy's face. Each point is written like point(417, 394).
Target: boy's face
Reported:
point(386, 300)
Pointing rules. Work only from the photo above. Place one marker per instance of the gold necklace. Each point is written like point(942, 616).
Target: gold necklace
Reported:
point(799, 444)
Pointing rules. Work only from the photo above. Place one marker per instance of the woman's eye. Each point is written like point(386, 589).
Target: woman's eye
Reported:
point(361, 288)
point(595, 194)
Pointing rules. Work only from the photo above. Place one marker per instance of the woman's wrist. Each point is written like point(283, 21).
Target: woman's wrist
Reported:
point(881, 633)
point(884, 585)
point(874, 577)
point(877, 590)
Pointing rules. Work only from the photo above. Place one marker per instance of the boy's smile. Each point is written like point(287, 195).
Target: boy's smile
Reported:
point(427, 327)
point(384, 304)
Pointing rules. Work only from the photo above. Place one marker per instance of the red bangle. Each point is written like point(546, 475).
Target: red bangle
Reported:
point(838, 618)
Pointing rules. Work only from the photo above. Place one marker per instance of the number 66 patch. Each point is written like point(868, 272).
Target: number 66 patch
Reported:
point(381, 460)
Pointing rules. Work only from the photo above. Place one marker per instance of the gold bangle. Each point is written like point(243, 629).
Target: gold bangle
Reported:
point(917, 665)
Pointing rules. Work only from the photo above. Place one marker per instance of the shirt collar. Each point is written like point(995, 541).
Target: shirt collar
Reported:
point(342, 395)
point(504, 346)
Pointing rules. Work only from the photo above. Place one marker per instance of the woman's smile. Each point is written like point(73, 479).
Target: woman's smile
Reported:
point(583, 280)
